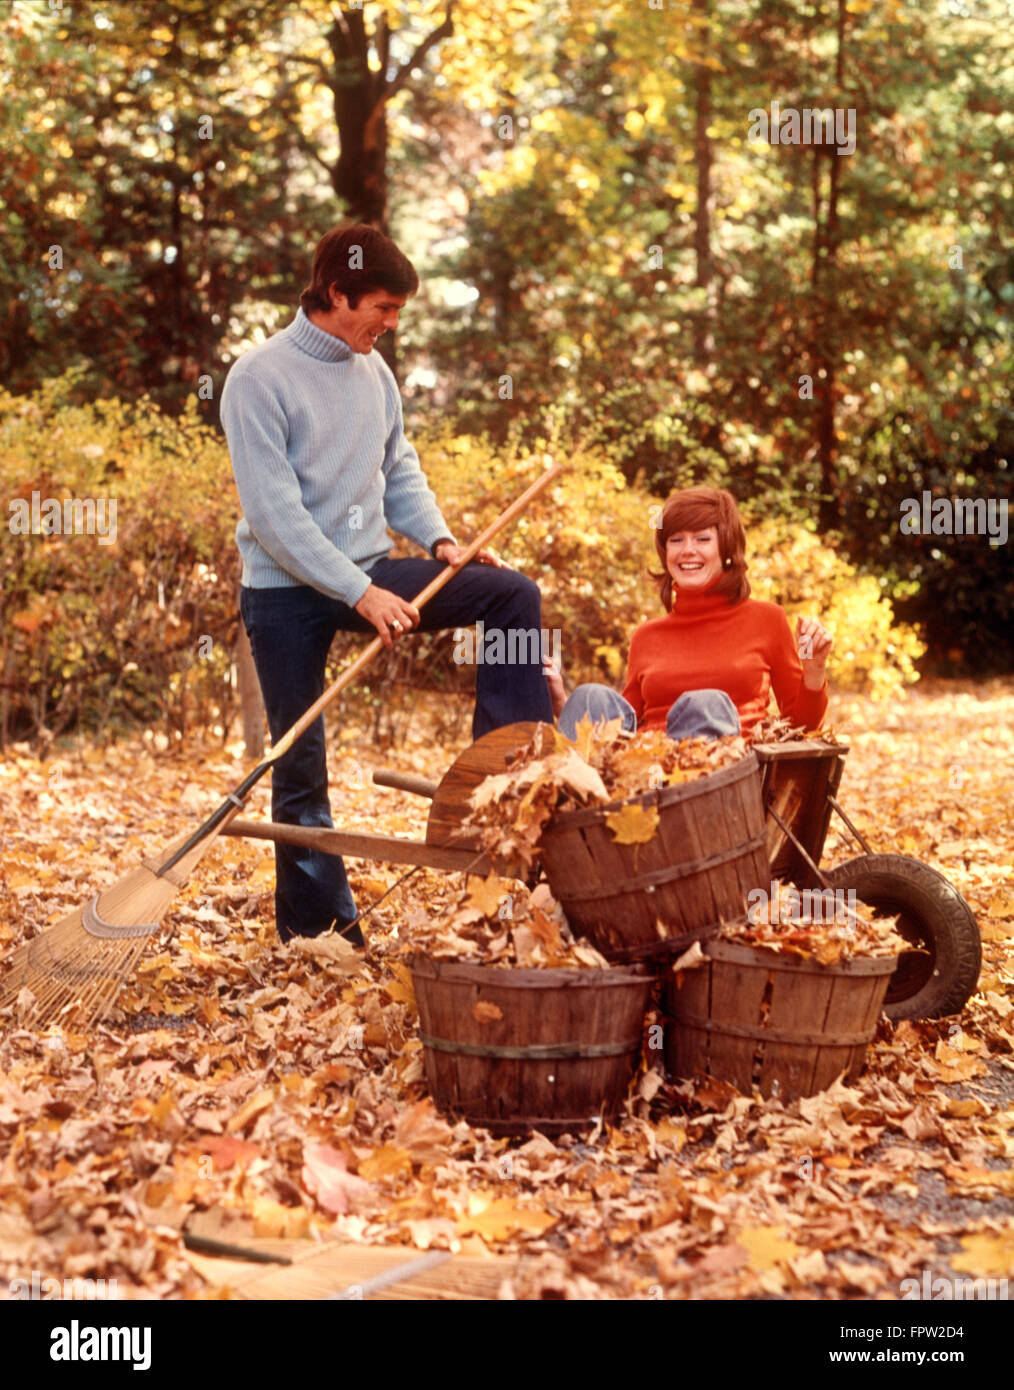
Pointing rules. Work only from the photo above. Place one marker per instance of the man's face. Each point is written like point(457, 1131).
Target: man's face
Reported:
point(375, 313)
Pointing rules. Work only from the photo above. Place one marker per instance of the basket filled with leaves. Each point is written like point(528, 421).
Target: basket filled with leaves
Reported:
point(523, 1027)
point(785, 999)
point(647, 844)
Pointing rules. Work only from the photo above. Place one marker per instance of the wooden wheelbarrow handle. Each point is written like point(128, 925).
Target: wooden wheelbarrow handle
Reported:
point(405, 782)
point(364, 844)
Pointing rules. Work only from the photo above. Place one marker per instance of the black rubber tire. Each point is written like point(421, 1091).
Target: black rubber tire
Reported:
point(931, 913)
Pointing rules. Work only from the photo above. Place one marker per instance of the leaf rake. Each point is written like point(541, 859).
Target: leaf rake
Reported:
point(77, 967)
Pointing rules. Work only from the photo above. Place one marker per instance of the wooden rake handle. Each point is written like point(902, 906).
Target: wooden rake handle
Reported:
point(233, 803)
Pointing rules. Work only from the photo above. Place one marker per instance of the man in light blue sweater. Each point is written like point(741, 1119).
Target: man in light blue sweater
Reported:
point(314, 424)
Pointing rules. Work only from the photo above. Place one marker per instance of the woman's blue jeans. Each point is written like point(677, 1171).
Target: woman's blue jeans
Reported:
point(696, 714)
point(291, 630)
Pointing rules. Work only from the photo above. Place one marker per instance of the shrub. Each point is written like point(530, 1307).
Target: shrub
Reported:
point(142, 628)
point(792, 566)
point(138, 628)
point(589, 543)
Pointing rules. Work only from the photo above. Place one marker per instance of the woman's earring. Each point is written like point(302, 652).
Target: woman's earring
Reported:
point(728, 562)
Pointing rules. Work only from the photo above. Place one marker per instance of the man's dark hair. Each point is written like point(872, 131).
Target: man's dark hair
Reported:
point(356, 260)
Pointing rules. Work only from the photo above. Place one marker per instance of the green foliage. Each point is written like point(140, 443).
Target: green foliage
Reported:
point(960, 588)
point(156, 196)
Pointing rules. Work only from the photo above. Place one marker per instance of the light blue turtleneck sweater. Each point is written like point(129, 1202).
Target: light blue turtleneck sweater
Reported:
point(322, 464)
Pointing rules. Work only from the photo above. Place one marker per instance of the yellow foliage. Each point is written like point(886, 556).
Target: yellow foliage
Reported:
point(589, 543)
point(144, 623)
point(792, 566)
point(110, 609)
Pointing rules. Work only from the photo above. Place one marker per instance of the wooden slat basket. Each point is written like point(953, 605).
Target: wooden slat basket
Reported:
point(777, 1023)
point(706, 855)
point(562, 1052)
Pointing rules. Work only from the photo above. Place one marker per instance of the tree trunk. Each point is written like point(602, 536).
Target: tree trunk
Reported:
point(360, 97)
point(826, 283)
point(251, 704)
point(704, 336)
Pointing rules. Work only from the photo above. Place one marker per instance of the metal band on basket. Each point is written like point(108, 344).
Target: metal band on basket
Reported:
point(534, 1052)
point(97, 926)
point(648, 882)
point(774, 1035)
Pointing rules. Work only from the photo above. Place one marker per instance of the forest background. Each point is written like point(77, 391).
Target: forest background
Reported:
point(615, 273)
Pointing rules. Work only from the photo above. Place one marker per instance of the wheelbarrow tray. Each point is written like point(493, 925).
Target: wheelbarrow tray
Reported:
point(799, 782)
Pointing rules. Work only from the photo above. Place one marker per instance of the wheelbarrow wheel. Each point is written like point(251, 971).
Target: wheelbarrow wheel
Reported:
point(939, 979)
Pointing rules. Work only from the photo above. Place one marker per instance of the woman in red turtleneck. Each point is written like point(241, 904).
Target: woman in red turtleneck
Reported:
point(709, 666)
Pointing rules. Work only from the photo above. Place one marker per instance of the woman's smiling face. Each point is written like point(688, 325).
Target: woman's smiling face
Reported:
point(693, 558)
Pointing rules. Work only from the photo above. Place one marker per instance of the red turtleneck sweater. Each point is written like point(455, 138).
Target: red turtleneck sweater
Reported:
point(706, 643)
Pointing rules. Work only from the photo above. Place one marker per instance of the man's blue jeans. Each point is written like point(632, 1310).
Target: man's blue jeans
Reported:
point(697, 714)
point(291, 630)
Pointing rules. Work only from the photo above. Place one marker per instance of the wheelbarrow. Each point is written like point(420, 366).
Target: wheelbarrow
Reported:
point(444, 847)
point(800, 781)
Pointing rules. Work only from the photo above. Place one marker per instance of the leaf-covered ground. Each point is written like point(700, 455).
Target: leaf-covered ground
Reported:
point(285, 1098)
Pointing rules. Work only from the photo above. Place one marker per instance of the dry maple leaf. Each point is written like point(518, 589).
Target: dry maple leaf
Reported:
point(332, 948)
point(587, 955)
point(633, 824)
point(401, 989)
point(486, 894)
point(273, 1219)
point(224, 1150)
point(545, 931)
point(588, 735)
point(251, 1109)
point(388, 1161)
point(527, 951)
point(767, 1246)
point(581, 778)
point(985, 1254)
point(421, 1132)
point(484, 1011)
point(497, 1218)
point(325, 1176)
point(951, 1066)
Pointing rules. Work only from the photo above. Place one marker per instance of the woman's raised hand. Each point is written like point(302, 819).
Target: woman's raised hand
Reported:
point(557, 690)
point(814, 644)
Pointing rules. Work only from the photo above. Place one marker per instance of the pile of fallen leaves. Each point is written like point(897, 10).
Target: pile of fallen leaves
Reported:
point(551, 775)
point(289, 1104)
point(786, 921)
point(632, 764)
point(498, 922)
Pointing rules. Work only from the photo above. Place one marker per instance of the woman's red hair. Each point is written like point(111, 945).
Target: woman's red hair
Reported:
point(692, 509)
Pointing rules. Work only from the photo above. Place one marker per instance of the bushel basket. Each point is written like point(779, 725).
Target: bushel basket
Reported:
point(777, 1023)
point(513, 1050)
point(706, 855)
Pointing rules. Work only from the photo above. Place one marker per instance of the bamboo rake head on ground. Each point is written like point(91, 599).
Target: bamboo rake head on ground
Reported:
point(75, 968)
